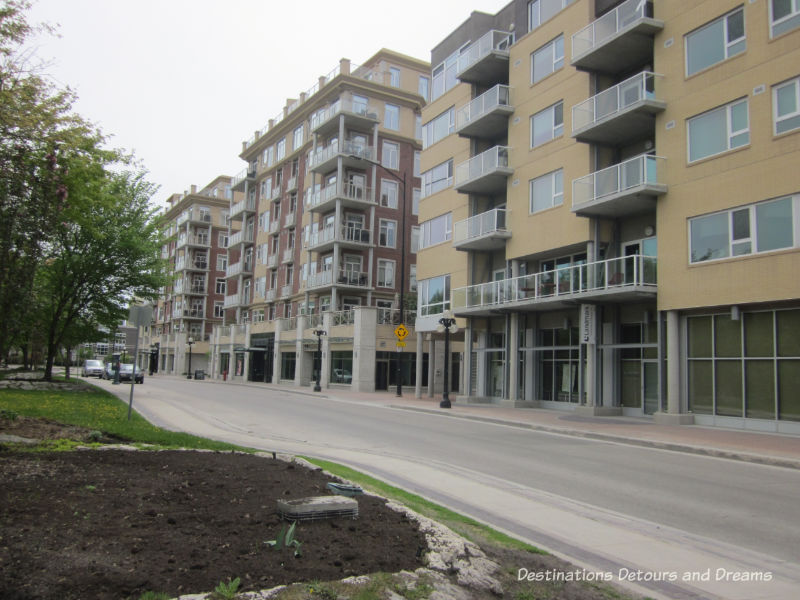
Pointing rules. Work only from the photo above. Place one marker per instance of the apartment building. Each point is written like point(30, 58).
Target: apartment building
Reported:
point(327, 231)
point(197, 228)
point(609, 207)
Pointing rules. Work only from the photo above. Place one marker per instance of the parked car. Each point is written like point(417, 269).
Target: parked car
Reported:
point(126, 370)
point(108, 371)
point(92, 368)
point(342, 376)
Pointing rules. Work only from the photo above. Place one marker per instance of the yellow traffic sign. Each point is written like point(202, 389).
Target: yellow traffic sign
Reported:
point(401, 344)
point(401, 332)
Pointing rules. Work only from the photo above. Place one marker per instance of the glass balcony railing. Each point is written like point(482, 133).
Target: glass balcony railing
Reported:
point(483, 105)
point(491, 162)
point(491, 40)
point(612, 101)
point(348, 191)
point(248, 205)
point(582, 279)
point(642, 170)
point(479, 226)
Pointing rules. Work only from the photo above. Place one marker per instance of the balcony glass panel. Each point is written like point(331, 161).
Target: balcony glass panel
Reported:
point(637, 171)
point(599, 31)
point(479, 225)
point(482, 164)
point(614, 100)
point(491, 40)
point(483, 104)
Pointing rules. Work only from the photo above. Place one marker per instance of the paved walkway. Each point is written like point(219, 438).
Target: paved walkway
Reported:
point(767, 448)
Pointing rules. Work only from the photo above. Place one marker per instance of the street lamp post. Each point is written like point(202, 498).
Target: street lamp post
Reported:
point(446, 324)
point(319, 333)
point(189, 343)
point(403, 206)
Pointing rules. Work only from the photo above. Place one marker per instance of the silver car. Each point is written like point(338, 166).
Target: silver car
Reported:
point(92, 368)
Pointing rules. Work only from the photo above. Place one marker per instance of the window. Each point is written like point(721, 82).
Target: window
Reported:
point(387, 235)
point(439, 127)
point(746, 230)
point(280, 149)
point(412, 278)
point(269, 156)
point(444, 74)
point(219, 310)
point(391, 117)
point(715, 42)
point(437, 230)
point(390, 155)
point(547, 124)
point(261, 286)
point(784, 16)
point(786, 106)
point(438, 178)
point(414, 239)
point(222, 262)
point(220, 286)
point(416, 163)
point(718, 130)
point(223, 215)
point(547, 191)
point(222, 240)
point(540, 11)
point(415, 195)
point(394, 77)
point(418, 127)
point(433, 295)
point(388, 193)
point(424, 87)
point(298, 138)
point(385, 273)
point(547, 59)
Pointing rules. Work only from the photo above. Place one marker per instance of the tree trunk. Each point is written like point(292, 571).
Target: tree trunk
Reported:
point(67, 361)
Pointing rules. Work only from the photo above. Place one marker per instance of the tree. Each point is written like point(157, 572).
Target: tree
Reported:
point(104, 253)
point(37, 129)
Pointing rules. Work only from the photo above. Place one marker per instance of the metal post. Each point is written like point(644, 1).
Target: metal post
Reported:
point(189, 342)
point(319, 333)
point(445, 403)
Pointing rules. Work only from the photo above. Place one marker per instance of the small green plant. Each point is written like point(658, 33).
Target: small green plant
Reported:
point(90, 488)
point(324, 591)
point(154, 596)
point(94, 436)
point(286, 539)
point(227, 590)
point(8, 415)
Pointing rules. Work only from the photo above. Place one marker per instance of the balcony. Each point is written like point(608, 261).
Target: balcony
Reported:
point(486, 173)
point(486, 231)
point(275, 225)
point(288, 220)
point(619, 114)
point(238, 268)
point(291, 184)
point(202, 241)
point(243, 208)
point(286, 290)
point(617, 41)
point(352, 196)
point(288, 255)
point(193, 215)
point(348, 235)
point(192, 264)
point(269, 296)
point(344, 278)
point(188, 313)
point(623, 279)
point(628, 188)
point(240, 237)
point(325, 159)
point(248, 174)
point(272, 260)
point(357, 116)
point(486, 61)
point(486, 116)
point(275, 192)
point(235, 300)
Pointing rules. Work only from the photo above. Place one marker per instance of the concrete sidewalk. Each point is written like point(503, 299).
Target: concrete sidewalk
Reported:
point(765, 448)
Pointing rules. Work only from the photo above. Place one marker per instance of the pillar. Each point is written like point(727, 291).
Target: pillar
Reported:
point(673, 416)
point(431, 366)
point(365, 332)
point(276, 355)
point(419, 358)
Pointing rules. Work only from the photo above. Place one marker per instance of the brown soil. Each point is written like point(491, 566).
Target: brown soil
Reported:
point(103, 524)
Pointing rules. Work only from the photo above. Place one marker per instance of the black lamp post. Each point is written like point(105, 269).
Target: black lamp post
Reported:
point(403, 207)
point(189, 343)
point(446, 323)
point(319, 333)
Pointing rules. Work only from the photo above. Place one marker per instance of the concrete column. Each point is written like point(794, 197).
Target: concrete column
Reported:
point(483, 339)
point(276, 358)
point(246, 373)
point(530, 366)
point(365, 331)
point(325, 375)
point(431, 366)
point(466, 388)
point(301, 368)
point(673, 416)
point(513, 358)
point(419, 357)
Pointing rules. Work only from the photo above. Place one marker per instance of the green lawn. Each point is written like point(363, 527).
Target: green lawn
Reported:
point(102, 411)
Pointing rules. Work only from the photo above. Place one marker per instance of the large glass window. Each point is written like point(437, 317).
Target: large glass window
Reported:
point(342, 366)
point(444, 74)
point(784, 16)
point(280, 149)
point(391, 117)
point(390, 155)
point(547, 191)
point(385, 273)
point(433, 295)
point(439, 127)
point(746, 230)
point(288, 362)
point(387, 236)
point(540, 11)
point(715, 42)
point(297, 138)
point(547, 124)
point(547, 59)
point(389, 193)
point(786, 106)
point(438, 178)
point(424, 87)
point(718, 130)
point(437, 230)
point(394, 76)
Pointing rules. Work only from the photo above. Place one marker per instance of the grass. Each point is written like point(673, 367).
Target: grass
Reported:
point(102, 411)
point(467, 527)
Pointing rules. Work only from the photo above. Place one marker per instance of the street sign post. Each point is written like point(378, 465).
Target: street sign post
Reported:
point(401, 332)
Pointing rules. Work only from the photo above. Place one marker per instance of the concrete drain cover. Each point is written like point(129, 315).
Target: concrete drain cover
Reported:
point(318, 507)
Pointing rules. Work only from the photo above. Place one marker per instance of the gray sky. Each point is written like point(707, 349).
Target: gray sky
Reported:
point(183, 82)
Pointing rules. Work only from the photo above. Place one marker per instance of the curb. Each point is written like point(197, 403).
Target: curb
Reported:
point(761, 459)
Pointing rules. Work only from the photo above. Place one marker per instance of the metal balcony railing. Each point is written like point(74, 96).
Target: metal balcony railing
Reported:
point(483, 164)
point(482, 105)
point(480, 225)
point(248, 205)
point(606, 27)
point(349, 191)
point(635, 172)
point(491, 40)
point(343, 317)
point(614, 100)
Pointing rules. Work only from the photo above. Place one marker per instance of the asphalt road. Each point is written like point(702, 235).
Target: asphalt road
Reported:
point(513, 478)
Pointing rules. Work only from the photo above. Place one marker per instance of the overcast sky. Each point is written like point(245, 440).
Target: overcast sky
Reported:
point(183, 82)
